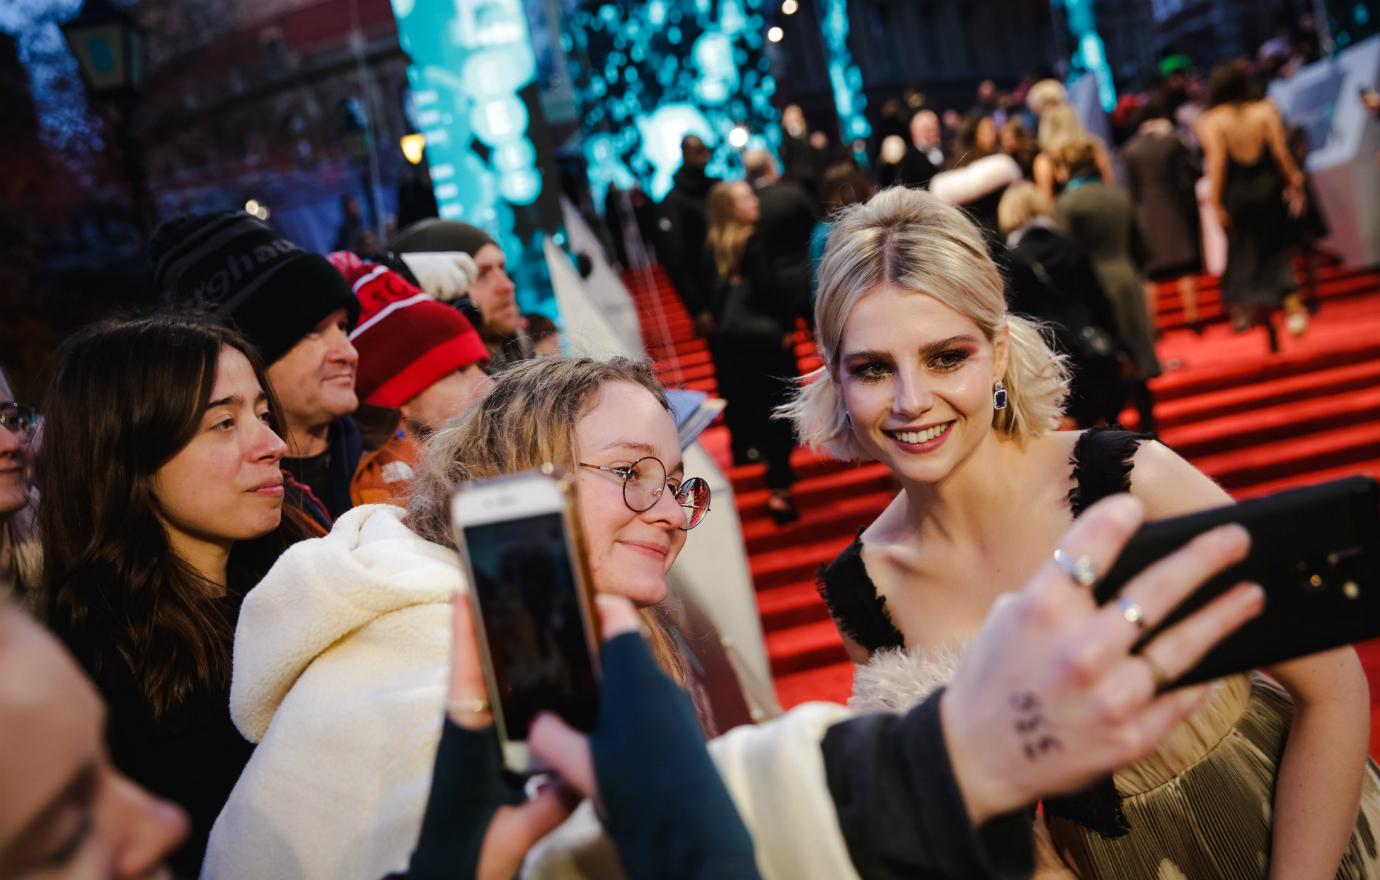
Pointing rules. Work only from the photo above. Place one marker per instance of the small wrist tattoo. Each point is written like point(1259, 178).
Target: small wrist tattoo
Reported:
point(1032, 728)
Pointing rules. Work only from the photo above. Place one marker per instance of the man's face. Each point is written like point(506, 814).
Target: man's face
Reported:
point(924, 130)
point(695, 153)
point(315, 380)
point(493, 292)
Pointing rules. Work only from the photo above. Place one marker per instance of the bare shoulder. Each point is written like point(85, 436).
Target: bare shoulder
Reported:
point(881, 532)
point(1167, 485)
point(1056, 444)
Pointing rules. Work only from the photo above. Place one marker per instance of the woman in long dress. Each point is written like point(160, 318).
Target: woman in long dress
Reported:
point(1255, 186)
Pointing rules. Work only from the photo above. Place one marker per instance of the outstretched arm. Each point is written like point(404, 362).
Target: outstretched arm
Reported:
point(1318, 783)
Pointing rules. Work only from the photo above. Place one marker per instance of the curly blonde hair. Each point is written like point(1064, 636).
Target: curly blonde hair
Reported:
point(911, 239)
point(527, 420)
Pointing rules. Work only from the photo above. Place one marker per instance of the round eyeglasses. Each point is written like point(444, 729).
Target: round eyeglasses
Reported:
point(19, 419)
point(645, 481)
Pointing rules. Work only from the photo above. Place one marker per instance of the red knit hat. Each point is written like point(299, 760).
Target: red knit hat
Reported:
point(406, 340)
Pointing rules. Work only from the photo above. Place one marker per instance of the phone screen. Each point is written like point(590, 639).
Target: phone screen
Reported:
point(532, 622)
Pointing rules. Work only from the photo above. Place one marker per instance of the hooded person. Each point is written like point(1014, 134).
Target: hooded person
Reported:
point(426, 246)
point(420, 363)
point(297, 310)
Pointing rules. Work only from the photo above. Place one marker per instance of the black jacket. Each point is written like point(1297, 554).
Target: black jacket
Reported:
point(192, 758)
point(916, 170)
point(1068, 295)
point(682, 229)
point(783, 232)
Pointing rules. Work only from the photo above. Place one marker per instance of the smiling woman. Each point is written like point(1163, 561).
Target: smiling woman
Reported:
point(340, 656)
point(161, 460)
point(925, 371)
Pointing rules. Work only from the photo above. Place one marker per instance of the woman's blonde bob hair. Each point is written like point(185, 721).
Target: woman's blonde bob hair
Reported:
point(1022, 202)
point(527, 420)
point(910, 239)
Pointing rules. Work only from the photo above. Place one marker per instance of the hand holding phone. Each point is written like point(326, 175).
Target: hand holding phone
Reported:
point(646, 765)
point(478, 823)
point(529, 585)
point(1315, 551)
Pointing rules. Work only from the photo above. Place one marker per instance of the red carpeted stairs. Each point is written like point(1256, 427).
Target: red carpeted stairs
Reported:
point(1256, 422)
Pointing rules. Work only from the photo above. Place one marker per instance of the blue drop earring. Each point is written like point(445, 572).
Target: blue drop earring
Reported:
point(999, 395)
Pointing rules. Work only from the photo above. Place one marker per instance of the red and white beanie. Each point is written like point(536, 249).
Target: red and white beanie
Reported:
point(406, 340)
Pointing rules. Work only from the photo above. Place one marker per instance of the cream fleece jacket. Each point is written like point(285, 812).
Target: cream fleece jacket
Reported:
point(340, 670)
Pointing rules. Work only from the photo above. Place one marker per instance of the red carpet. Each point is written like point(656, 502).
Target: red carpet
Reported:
point(1254, 421)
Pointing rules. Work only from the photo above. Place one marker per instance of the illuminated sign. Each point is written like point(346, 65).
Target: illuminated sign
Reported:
point(1090, 56)
point(648, 72)
point(473, 79)
point(844, 76)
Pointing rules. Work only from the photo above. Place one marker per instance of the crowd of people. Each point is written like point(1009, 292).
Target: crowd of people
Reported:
point(1086, 245)
point(234, 633)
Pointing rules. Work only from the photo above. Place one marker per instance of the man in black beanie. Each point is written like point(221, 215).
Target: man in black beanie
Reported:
point(298, 311)
point(502, 327)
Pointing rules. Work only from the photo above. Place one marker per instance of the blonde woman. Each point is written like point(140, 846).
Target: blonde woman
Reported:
point(339, 663)
point(925, 371)
point(754, 346)
point(1059, 125)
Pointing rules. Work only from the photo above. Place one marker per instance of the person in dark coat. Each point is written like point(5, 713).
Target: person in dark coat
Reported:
point(754, 345)
point(925, 158)
point(297, 311)
point(1049, 277)
point(163, 505)
point(683, 230)
point(1102, 219)
point(1160, 176)
point(787, 223)
point(800, 160)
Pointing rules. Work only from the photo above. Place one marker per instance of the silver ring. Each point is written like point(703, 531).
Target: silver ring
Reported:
point(1131, 612)
point(1080, 569)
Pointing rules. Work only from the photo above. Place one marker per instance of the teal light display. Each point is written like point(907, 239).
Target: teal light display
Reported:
point(648, 72)
point(1089, 54)
point(844, 76)
point(473, 82)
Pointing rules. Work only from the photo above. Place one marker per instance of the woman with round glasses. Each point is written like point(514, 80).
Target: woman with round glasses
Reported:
point(341, 655)
point(21, 554)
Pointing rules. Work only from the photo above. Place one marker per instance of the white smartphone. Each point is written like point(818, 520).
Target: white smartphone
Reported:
point(530, 589)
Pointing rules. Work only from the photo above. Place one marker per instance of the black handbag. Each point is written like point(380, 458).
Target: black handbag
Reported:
point(1092, 343)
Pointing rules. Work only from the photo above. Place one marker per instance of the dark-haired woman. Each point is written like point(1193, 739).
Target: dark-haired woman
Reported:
point(1255, 186)
point(161, 460)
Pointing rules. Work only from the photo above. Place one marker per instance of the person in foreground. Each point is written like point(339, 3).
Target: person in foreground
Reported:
point(1049, 697)
point(163, 505)
point(342, 651)
point(65, 810)
point(958, 763)
point(925, 371)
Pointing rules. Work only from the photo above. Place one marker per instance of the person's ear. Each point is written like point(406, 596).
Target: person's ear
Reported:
point(1001, 352)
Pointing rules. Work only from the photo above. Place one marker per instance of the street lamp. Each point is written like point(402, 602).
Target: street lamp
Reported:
point(109, 47)
point(108, 44)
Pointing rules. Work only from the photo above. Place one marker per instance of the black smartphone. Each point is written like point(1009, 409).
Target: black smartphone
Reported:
point(1315, 550)
point(538, 632)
